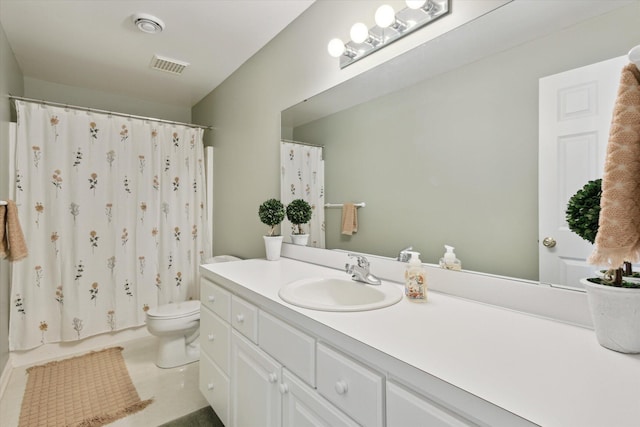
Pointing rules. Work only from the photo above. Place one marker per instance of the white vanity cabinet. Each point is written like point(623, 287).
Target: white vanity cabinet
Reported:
point(268, 385)
point(265, 365)
point(215, 341)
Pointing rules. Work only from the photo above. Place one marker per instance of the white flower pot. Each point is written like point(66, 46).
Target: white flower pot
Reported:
point(616, 316)
point(273, 246)
point(300, 239)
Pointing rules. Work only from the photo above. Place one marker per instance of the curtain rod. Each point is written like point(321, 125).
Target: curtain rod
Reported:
point(302, 143)
point(95, 110)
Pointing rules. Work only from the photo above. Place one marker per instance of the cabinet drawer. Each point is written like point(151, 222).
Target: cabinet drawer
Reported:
point(244, 318)
point(355, 389)
point(294, 349)
point(214, 385)
point(302, 406)
point(215, 298)
point(405, 408)
point(215, 336)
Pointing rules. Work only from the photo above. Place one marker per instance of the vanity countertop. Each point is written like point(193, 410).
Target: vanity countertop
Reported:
point(548, 372)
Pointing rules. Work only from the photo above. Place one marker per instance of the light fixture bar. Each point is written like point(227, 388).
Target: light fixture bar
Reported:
point(405, 22)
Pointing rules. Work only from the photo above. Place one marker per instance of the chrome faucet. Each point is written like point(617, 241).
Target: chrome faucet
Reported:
point(404, 254)
point(360, 271)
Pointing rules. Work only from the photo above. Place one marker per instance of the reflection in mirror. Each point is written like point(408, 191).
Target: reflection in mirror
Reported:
point(452, 157)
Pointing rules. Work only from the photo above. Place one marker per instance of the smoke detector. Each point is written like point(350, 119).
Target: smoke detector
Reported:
point(148, 23)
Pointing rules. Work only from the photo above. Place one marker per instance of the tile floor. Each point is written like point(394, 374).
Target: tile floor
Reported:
point(175, 391)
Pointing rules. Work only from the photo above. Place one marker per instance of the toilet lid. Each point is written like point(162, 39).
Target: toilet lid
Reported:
point(175, 310)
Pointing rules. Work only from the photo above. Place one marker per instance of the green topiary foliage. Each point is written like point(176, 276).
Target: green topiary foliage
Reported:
point(583, 210)
point(299, 212)
point(271, 213)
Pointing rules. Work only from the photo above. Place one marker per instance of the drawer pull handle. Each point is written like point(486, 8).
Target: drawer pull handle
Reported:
point(210, 386)
point(273, 377)
point(284, 388)
point(240, 318)
point(341, 387)
point(211, 298)
point(211, 337)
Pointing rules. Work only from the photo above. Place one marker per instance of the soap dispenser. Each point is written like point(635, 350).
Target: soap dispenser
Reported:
point(449, 260)
point(415, 283)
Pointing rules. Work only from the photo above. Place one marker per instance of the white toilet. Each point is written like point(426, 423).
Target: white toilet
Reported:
point(177, 327)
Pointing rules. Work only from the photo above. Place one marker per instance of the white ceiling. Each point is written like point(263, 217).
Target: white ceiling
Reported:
point(94, 43)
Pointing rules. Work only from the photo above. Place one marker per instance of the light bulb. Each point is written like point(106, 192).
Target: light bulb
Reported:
point(359, 32)
point(336, 48)
point(385, 16)
point(415, 4)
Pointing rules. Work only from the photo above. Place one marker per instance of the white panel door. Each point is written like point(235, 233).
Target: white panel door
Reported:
point(575, 110)
point(255, 396)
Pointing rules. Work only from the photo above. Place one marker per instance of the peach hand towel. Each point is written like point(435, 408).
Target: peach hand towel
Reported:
point(12, 243)
point(618, 237)
point(349, 219)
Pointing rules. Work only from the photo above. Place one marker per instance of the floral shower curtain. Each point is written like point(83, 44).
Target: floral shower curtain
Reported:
point(114, 214)
point(302, 170)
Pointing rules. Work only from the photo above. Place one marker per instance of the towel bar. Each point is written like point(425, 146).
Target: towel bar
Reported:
point(339, 205)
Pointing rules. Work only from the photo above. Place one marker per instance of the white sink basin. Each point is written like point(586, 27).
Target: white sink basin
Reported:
point(339, 294)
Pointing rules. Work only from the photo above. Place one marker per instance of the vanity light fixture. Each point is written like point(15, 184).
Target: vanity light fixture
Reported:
point(390, 26)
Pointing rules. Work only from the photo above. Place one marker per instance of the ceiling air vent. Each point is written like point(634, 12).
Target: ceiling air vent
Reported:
point(168, 65)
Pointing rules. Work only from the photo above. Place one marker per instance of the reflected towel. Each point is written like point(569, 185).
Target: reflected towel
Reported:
point(618, 237)
point(349, 219)
point(12, 243)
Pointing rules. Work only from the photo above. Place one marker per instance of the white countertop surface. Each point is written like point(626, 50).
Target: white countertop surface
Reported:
point(547, 372)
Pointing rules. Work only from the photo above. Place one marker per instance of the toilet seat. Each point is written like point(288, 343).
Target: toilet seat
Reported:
point(175, 310)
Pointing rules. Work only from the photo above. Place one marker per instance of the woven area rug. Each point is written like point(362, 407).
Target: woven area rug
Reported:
point(84, 391)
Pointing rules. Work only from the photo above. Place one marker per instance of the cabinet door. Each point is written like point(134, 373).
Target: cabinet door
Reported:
point(405, 408)
point(303, 407)
point(255, 396)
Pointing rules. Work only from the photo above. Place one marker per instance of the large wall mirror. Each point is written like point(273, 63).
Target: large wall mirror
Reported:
point(442, 142)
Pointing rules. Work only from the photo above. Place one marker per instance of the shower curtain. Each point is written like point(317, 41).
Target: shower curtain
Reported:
point(114, 214)
point(302, 170)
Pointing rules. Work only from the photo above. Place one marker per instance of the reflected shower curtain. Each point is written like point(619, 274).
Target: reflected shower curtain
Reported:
point(113, 212)
point(302, 177)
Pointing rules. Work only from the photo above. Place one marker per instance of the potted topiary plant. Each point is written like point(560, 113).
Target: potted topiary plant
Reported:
point(299, 212)
point(271, 213)
point(614, 302)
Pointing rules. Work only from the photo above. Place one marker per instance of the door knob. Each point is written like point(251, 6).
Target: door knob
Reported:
point(549, 242)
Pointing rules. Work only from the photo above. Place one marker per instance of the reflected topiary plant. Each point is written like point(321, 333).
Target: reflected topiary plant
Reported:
point(299, 212)
point(583, 210)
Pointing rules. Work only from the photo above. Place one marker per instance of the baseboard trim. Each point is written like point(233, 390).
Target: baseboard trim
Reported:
point(5, 376)
point(53, 351)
